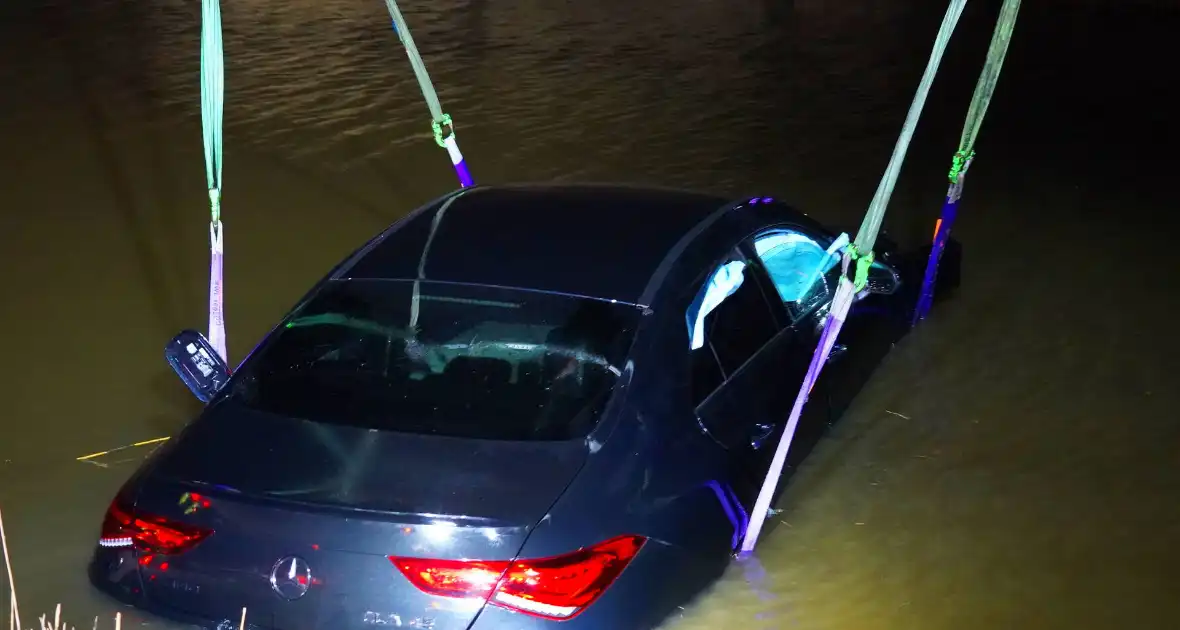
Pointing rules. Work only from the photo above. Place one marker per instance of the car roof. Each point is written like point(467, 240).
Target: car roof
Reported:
point(603, 242)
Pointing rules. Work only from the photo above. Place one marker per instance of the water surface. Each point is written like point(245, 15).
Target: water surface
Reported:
point(1014, 465)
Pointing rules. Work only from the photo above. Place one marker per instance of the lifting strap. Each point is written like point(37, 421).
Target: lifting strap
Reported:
point(856, 260)
point(984, 88)
point(440, 123)
point(212, 105)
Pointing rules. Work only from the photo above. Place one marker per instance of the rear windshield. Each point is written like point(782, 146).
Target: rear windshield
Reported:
point(444, 359)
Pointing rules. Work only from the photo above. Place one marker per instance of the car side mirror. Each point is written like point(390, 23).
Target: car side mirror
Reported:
point(882, 280)
point(197, 364)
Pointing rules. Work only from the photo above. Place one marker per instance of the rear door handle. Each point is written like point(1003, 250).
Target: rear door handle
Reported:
point(838, 350)
point(760, 433)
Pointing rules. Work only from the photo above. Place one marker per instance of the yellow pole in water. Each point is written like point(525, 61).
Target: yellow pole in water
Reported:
point(122, 448)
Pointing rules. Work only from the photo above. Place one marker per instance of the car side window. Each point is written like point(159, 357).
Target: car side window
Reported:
point(803, 272)
point(728, 321)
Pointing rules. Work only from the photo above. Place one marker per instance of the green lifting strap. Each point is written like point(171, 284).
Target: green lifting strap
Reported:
point(860, 254)
point(441, 124)
point(866, 237)
point(212, 97)
point(984, 89)
point(212, 106)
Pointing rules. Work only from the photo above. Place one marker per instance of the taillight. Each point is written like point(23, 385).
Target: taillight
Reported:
point(124, 527)
point(559, 587)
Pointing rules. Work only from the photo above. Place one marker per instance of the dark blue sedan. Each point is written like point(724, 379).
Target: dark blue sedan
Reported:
point(518, 407)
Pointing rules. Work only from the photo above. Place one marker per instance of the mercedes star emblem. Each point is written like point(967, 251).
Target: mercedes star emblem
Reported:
point(290, 577)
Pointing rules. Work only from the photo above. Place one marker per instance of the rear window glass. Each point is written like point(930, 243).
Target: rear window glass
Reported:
point(445, 359)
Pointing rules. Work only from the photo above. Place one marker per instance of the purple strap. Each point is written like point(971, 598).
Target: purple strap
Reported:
point(216, 312)
point(452, 147)
point(841, 304)
point(464, 175)
point(950, 211)
point(733, 510)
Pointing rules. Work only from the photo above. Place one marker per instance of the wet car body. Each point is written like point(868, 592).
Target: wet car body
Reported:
point(447, 497)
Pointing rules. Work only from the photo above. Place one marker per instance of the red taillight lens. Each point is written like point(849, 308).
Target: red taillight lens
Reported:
point(554, 588)
point(451, 578)
point(123, 527)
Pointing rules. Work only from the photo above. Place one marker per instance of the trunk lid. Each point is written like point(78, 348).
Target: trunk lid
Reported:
point(306, 515)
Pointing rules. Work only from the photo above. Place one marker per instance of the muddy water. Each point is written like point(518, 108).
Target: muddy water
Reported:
point(1015, 465)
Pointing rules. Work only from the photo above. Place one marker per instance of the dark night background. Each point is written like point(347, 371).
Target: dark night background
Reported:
point(1031, 478)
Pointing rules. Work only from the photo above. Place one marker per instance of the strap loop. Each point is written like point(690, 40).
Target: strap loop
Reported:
point(437, 127)
point(860, 277)
point(215, 205)
point(959, 165)
point(441, 126)
point(216, 237)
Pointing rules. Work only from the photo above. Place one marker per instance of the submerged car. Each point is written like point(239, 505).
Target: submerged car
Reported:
point(518, 407)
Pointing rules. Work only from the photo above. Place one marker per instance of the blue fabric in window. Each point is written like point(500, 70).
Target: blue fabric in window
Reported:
point(724, 283)
point(794, 262)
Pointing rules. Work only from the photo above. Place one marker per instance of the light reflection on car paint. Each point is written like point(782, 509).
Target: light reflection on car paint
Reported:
point(393, 620)
point(382, 619)
point(440, 535)
point(191, 502)
point(122, 567)
point(733, 510)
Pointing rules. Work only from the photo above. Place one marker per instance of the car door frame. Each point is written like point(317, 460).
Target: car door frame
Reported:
point(862, 346)
point(729, 415)
point(760, 278)
point(805, 334)
point(794, 345)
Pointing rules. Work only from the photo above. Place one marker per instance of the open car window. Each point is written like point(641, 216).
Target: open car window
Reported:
point(729, 320)
point(803, 272)
point(720, 285)
point(476, 362)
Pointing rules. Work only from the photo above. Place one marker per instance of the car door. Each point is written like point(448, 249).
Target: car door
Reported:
point(735, 327)
point(804, 278)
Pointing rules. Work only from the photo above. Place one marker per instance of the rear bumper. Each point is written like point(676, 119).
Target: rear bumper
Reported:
point(124, 586)
point(626, 606)
point(114, 574)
